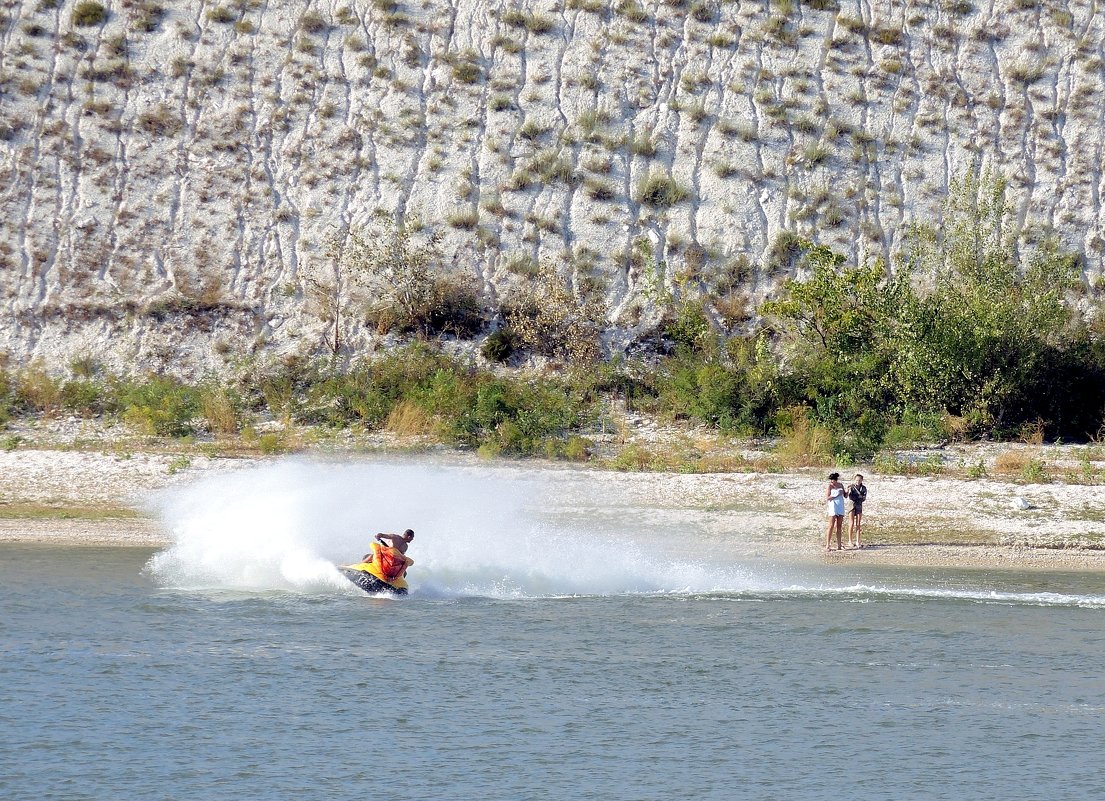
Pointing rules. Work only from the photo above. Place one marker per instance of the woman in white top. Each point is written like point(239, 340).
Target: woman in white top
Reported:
point(834, 509)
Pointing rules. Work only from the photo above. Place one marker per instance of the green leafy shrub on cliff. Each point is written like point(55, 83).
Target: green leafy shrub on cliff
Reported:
point(991, 339)
point(85, 397)
point(689, 329)
point(734, 387)
point(660, 190)
point(88, 13)
point(160, 406)
point(6, 400)
point(500, 345)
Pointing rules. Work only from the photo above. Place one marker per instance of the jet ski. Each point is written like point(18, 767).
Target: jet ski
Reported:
point(368, 577)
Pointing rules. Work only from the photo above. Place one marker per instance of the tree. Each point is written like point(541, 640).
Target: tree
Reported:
point(329, 294)
point(966, 326)
point(995, 322)
point(837, 324)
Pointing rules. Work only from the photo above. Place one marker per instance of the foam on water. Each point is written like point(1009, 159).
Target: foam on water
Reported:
point(285, 525)
point(980, 595)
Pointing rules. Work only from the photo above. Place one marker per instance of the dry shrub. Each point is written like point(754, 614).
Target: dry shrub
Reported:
point(726, 463)
point(732, 308)
point(636, 457)
point(160, 121)
point(955, 428)
point(456, 307)
point(410, 420)
point(1033, 433)
point(805, 444)
point(218, 410)
point(553, 320)
point(38, 391)
point(1024, 463)
point(397, 278)
point(1011, 461)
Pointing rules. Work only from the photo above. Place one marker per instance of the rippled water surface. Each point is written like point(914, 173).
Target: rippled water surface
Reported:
point(880, 685)
point(559, 643)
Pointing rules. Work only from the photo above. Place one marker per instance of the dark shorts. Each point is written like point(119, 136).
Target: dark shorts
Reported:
point(857, 508)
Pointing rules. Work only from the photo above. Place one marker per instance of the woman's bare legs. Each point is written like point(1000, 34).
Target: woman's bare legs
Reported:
point(856, 525)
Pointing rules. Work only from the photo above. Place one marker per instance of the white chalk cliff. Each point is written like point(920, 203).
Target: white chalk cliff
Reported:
point(170, 173)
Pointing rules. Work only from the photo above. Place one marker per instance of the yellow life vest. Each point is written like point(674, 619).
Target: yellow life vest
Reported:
point(376, 569)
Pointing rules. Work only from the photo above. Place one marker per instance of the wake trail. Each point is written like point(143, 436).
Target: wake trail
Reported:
point(285, 526)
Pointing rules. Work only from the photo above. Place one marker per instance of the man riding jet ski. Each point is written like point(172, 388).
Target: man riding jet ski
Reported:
point(384, 569)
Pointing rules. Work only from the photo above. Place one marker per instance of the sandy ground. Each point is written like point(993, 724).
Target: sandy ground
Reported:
point(909, 520)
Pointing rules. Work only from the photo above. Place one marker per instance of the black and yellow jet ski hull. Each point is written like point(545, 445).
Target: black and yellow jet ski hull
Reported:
point(374, 585)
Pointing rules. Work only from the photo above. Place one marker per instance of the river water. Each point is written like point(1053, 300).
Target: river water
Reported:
point(238, 663)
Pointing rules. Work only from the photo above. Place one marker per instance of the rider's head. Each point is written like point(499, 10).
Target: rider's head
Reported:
point(408, 535)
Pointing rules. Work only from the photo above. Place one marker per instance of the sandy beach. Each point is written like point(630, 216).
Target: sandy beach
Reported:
point(69, 497)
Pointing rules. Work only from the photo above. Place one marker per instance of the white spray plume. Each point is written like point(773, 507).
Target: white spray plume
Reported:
point(284, 526)
point(479, 531)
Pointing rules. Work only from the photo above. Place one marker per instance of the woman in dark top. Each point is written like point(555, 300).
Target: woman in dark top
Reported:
point(857, 494)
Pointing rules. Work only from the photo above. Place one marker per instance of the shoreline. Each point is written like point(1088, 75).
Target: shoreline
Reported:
point(75, 532)
point(147, 533)
point(87, 498)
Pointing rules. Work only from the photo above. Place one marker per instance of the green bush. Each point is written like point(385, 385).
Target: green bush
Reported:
point(660, 190)
point(221, 14)
point(705, 391)
point(88, 13)
point(159, 406)
point(271, 443)
point(472, 407)
point(992, 341)
point(499, 345)
point(364, 395)
point(6, 400)
point(914, 428)
point(83, 397)
point(890, 464)
point(690, 329)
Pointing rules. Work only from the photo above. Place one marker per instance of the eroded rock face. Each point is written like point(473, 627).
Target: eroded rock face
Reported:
point(171, 171)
